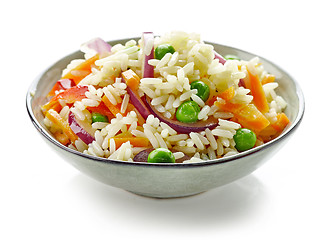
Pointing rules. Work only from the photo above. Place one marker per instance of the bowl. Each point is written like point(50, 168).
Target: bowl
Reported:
point(168, 180)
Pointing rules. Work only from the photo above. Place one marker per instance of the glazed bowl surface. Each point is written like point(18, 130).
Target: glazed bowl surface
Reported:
point(168, 180)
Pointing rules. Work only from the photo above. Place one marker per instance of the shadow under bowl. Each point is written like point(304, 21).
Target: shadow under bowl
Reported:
point(168, 180)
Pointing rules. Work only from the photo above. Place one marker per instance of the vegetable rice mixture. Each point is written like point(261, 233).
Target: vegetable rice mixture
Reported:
point(166, 99)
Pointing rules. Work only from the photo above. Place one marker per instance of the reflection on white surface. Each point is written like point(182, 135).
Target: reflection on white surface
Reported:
point(229, 203)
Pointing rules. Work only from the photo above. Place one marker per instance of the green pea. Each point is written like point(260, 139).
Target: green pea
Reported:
point(203, 90)
point(231, 57)
point(97, 117)
point(161, 155)
point(163, 49)
point(187, 112)
point(245, 139)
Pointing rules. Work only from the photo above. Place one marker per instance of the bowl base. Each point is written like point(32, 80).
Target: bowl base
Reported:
point(148, 195)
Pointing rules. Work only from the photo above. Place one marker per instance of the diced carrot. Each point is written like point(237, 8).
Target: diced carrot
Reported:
point(54, 117)
point(51, 105)
point(275, 128)
point(228, 94)
point(268, 131)
point(114, 109)
point(57, 107)
point(268, 78)
point(131, 79)
point(82, 70)
point(257, 91)
point(267, 134)
point(135, 141)
point(228, 106)
point(250, 117)
point(130, 108)
point(246, 114)
point(55, 88)
point(281, 123)
point(62, 138)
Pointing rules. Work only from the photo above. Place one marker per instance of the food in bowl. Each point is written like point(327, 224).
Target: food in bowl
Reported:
point(163, 99)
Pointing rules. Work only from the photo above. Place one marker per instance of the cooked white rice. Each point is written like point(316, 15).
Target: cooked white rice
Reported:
point(193, 60)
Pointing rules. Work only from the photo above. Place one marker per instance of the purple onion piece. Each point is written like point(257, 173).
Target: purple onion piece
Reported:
point(218, 56)
point(148, 70)
point(138, 103)
point(99, 45)
point(143, 156)
point(242, 83)
point(180, 126)
point(78, 130)
point(66, 83)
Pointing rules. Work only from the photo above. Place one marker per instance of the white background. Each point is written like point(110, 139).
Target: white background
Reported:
point(43, 197)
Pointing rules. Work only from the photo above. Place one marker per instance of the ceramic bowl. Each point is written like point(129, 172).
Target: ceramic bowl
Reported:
point(168, 180)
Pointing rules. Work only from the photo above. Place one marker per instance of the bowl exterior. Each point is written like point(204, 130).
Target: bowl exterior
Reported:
point(167, 180)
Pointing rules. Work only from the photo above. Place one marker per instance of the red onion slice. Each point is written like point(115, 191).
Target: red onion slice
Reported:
point(218, 56)
point(66, 83)
point(78, 130)
point(98, 45)
point(148, 70)
point(143, 156)
point(180, 126)
point(138, 103)
point(242, 83)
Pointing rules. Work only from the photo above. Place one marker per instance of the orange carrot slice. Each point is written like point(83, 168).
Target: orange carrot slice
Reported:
point(228, 94)
point(268, 78)
point(281, 123)
point(228, 106)
point(274, 129)
point(257, 91)
point(62, 138)
point(130, 108)
point(82, 70)
point(54, 117)
point(131, 79)
point(135, 141)
point(250, 117)
point(246, 114)
point(114, 109)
